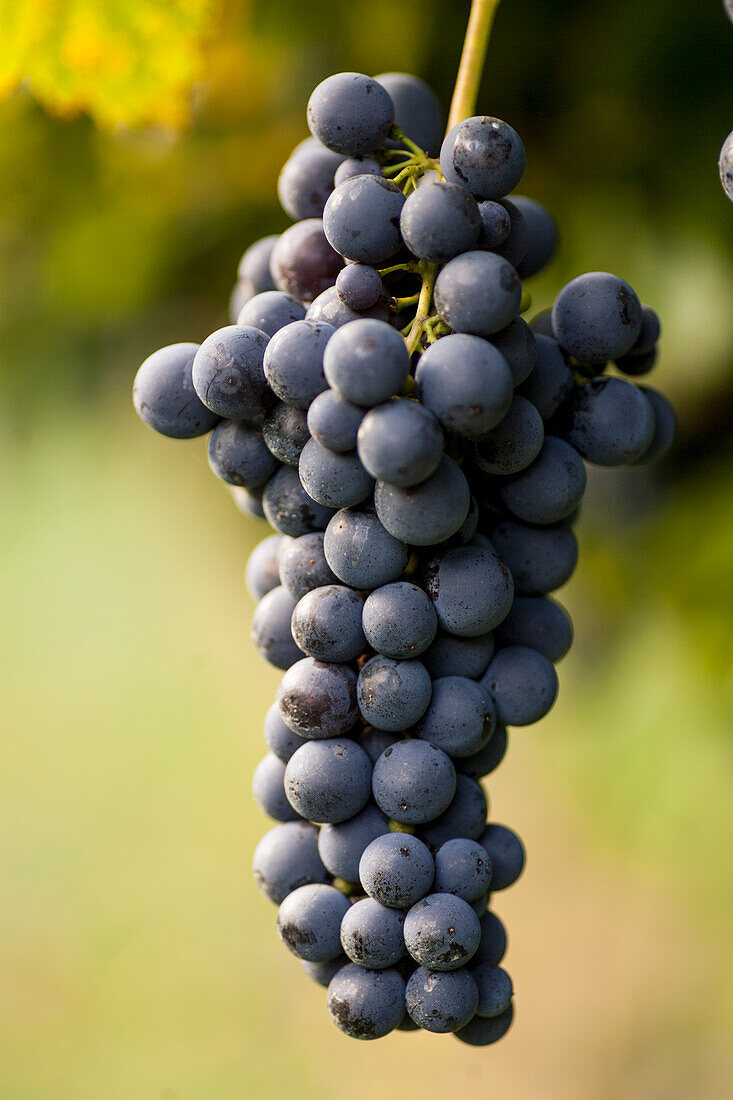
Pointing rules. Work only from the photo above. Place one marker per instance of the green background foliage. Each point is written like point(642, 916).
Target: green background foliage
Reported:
point(140, 151)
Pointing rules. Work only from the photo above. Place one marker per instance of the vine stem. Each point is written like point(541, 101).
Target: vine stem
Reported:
point(465, 93)
point(423, 308)
point(463, 103)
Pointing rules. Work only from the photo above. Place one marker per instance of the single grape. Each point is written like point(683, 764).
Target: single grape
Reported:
point(440, 220)
point(551, 381)
point(413, 782)
point(478, 293)
point(262, 572)
point(539, 623)
point(366, 1004)
point(329, 308)
point(359, 285)
point(271, 311)
point(495, 224)
point(335, 480)
point(294, 362)
point(539, 559)
point(322, 972)
point(465, 817)
point(228, 373)
point(517, 344)
point(609, 421)
point(326, 623)
point(254, 265)
point(441, 1001)
point(371, 934)
point(286, 858)
point(480, 906)
point(506, 852)
point(486, 759)
point(328, 781)
point(400, 442)
point(471, 589)
point(350, 113)
point(393, 695)
point(515, 246)
point(397, 870)
point(495, 990)
point(596, 317)
point(248, 501)
point(514, 443)
point(309, 922)
point(303, 263)
point(462, 868)
point(335, 422)
point(551, 488)
point(481, 1032)
point(725, 165)
point(665, 427)
point(460, 718)
point(279, 739)
point(303, 565)
point(417, 109)
point(361, 552)
point(341, 846)
point(271, 635)
point(492, 948)
point(523, 684)
point(318, 700)
point(238, 455)
point(164, 394)
point(485, 155)
point(306, 179)
point(241, 293)
point(542, 236)
point(361, 219)
point(366, 362)
point(442, 932)
point(285, 432)
point(450, 655)
point(541, 323)
point(268, 789)
point(399, 620)
point(356, 166)
point(465, 382)
point(427, 513)
point(289, 509)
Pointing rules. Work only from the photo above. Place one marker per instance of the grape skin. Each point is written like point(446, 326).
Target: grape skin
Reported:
point(271, 311)
point(350, 113)
point(335, 422)
point(485, 155)
point(164, 395)
point(309, 922)
point(328, 780)
point(441, 1001)
point(413, 782)
point(478, 293)
point(286, 858)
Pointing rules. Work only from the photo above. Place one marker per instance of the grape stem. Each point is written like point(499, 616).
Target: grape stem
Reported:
point(423, 308)
point(465, 93)
point(471, 65)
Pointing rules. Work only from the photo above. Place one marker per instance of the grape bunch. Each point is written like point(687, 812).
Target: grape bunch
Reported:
point(419, 450)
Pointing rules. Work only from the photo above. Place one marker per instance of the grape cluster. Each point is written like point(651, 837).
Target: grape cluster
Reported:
point(419, 450)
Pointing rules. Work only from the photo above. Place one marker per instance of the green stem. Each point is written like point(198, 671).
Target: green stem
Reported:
point(465, 93)
point(423, 308)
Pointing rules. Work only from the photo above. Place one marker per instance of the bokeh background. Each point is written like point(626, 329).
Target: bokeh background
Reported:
point(139, 156)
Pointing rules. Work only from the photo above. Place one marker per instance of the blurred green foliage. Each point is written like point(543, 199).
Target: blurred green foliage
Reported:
point(138, 952)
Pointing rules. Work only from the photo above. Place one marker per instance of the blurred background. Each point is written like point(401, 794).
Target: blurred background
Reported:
point(140, 144)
